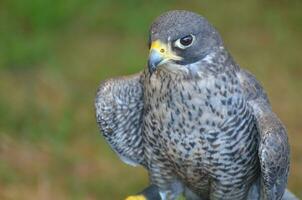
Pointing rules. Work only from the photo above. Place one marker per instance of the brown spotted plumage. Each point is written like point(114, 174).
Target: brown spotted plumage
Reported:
point(199, 124)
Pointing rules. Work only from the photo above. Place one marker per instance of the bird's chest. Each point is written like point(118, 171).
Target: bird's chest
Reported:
point(197, 124)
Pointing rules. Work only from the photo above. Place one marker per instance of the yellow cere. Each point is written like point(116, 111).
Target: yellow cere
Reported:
point(164, 50)
point(136, 197)
point(158, 46)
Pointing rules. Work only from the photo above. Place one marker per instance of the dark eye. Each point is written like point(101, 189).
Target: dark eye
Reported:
point(187, 40)
point(184, 42)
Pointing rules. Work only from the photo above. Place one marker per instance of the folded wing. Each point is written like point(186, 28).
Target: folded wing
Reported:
point(273, 149)
point(119, 107)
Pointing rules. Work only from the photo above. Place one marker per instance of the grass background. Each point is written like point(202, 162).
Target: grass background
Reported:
point(53, 54)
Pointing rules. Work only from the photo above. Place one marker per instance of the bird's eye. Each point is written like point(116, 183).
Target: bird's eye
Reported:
point(185, 42)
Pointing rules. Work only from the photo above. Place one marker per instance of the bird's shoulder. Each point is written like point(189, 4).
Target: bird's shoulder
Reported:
point(132, 83)
point(252, 88)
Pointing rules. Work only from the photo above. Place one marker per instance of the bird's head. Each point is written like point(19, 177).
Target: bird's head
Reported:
point(180, 38)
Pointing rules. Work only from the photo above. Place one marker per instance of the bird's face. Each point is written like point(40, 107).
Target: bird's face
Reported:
point(180, 38)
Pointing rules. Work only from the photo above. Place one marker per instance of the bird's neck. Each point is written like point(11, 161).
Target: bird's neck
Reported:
point(217, 61)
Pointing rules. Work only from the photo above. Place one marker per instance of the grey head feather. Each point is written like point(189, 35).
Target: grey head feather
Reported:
point(176, 24)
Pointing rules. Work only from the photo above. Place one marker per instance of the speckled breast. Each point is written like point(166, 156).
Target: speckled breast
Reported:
point(203, 127)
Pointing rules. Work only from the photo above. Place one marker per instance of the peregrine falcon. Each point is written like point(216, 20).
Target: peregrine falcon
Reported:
point(201, 125)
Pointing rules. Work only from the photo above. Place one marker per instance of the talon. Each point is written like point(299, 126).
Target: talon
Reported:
point(136, 197)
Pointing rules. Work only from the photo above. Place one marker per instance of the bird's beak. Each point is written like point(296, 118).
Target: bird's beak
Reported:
point(155, 58)
point(160, 53)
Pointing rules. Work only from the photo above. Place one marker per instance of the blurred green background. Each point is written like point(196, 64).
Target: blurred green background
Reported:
point(54, 53)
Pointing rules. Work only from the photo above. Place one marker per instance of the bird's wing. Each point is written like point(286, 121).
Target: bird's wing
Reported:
point(119, 107)
point(273, 149)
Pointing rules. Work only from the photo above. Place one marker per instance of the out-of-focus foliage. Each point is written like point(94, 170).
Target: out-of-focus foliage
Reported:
point(53, 54)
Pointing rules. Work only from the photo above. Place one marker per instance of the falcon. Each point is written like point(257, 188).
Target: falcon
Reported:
point(201, 125)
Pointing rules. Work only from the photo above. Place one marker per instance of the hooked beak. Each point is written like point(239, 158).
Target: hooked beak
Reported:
point(155, 58)
point(160, 53)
